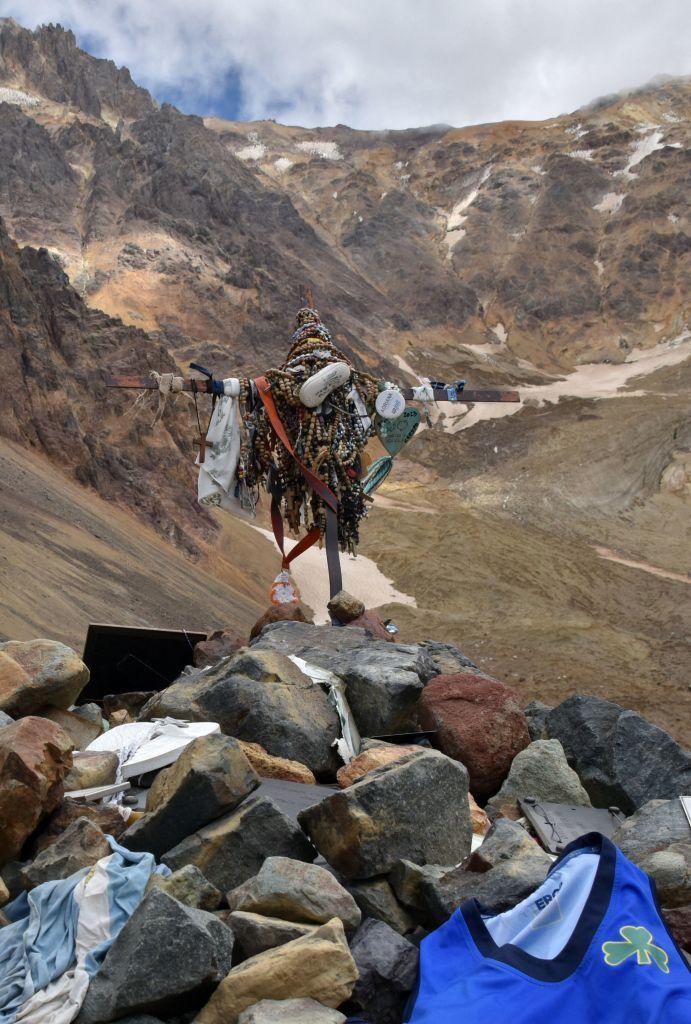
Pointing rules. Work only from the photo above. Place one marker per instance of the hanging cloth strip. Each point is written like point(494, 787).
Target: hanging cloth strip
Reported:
point(318, 486)
point(216, 485)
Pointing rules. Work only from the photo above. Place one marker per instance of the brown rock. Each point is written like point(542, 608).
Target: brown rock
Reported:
point(91, 768)
point(480, 821)
point(679, 923)
point(79, 729)
point(270, 767)
point(345, 608)
point(480, 722)
point(317, 966)
point(4, 894)
point(108, 819)
point(79, 846)
point(35, 756)
point(119, 717)
point(133, 702)
point(370, 759)
point(39, 672)
point(290, 612)
point(255, 933)
point(374, 625)
point(216, 647)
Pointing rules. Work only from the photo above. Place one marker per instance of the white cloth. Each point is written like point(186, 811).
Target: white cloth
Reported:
point(216, 485)
point(348, 744)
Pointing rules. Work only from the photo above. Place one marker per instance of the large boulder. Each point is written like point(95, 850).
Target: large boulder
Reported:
point(36, 673)
point(376, 898)
point(540, 770)
point(479, 722)
point(35, 756)
point(503, 871)
point(107, 817)
point(80, 846)
point(80, 729)
point(415, 808)
point(255, 933)
point(91, 768)
point(189, 886)
point(166, 960)
point(658, 838)
point(621, 759)
point(446, 659)
point(318, 966)
point(383, 680)
point(233, 848)
point(290, 1011)
point(368, 760)
point(211, 777)
point(295, 891)
point(261, 696)
point(387, 965)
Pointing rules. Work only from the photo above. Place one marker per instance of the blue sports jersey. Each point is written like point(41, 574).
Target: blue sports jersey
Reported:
point(589, 945)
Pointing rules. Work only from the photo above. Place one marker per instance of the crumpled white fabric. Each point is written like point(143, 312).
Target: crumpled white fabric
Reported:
point(216, 485)
point(348, 744)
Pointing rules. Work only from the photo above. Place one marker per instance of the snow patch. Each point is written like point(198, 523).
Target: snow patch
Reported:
point(500, 332)
point(599, 266)
point(538, 169)
point(255, 151)
point(18, 98)
point(457, 218)
point(641, 149)
point(581, 154)
point(578, 131)
point(672, 218)
point(671, 118)
point(610, 202)
point(321, 148)
point(283, 164)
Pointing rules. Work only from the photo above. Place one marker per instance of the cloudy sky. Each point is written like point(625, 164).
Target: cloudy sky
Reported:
point(379, 63)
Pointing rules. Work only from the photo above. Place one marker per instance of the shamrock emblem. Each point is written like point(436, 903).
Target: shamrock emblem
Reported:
point(637, 942)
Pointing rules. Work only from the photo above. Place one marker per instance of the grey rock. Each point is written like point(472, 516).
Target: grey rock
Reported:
point(296, 891)
point(415, 809)
point(540, 770)
point(92, 713)
point(388, 966)
point(376, 899)
point(536, 712)
point(256, 932)
point(79, 846)
point(410, 882)
point(167, 959)
point(446, 660)
point(504, 870)
point(189, 886)
point(233, 848)
point(658, 839)
point(290, 1011)
point(383, 680)
point(261, 696)
point(5, 719)
point(621, 759)
point(211, 777)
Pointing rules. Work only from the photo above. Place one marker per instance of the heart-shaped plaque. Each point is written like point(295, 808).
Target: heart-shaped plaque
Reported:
point(395, 434)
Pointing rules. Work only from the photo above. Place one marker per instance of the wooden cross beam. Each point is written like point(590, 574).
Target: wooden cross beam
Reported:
point(206, 386)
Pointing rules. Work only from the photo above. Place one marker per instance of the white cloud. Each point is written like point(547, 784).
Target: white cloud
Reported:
point(388, 64)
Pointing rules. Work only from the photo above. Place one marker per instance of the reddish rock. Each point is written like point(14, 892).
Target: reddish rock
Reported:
point(374, 625)
point(290, 612)
point(35, 756)
point(108, 819)
point(217, 646)
point(368, 760)
point(480, 821)
point(479, 722)
point(679, 923)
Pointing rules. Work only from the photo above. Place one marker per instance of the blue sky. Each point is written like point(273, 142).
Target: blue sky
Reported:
point(379, 63)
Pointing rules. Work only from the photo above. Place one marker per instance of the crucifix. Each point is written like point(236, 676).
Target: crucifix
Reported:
point(300, 431)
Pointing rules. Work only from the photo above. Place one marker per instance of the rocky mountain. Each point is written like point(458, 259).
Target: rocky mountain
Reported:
point(553, 256)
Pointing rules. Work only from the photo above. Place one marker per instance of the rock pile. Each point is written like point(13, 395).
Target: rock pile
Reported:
point(282, 900)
